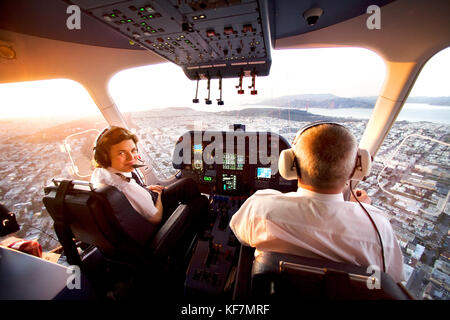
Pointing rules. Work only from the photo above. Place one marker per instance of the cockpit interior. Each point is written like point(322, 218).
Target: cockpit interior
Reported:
point(89, 41)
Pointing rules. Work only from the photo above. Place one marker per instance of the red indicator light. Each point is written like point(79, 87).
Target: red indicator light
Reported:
point(247, 28)
point(210, 33)
point(228, 30)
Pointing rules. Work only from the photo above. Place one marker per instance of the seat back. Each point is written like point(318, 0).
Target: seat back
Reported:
point(284, 276)
point(102, 217)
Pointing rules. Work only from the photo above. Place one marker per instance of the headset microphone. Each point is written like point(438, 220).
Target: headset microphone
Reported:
point(139, 165)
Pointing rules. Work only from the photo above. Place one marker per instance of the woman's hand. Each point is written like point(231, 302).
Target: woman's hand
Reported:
point(156, 188)
point(158, 203)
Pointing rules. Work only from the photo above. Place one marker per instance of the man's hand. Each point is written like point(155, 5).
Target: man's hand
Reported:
point(361, 195)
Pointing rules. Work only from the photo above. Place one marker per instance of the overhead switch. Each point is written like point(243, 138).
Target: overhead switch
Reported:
point(247, 28)
point(211, 33)
point(228, 30)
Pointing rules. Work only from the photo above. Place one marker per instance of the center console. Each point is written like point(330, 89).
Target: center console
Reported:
point(229, 167)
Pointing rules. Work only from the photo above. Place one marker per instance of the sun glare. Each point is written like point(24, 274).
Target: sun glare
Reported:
point(46, 98)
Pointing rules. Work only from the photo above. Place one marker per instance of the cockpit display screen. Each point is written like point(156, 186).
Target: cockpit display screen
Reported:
point(229, 161)
point(198, 162)
point(198, 148)
point(232, 161)
point(263, 173)
point(229, 182)
point(240, 162)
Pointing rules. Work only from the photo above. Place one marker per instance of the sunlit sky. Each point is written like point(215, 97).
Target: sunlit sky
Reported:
point(345, 72)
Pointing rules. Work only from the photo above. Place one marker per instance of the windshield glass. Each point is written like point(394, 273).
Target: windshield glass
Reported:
point(411, 181)
point(303, 86)
point(48, 129)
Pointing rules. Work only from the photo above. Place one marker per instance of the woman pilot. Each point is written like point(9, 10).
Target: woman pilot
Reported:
point(116, 155)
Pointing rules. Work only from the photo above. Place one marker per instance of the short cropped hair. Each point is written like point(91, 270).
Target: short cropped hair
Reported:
point(111, 136)
point(327, 156)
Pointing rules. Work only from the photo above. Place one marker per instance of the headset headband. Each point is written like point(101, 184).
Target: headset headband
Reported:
point(314, 124)
point(289, 167)
point(101, 136)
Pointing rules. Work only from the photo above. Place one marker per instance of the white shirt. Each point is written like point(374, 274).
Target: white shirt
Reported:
point(311, 224)
point(139, 198)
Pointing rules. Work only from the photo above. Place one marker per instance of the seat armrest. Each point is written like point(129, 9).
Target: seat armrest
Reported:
point(244, 273)
point(170, 232)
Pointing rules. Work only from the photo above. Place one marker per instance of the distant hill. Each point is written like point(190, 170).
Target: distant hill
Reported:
point(303, 101)
point(294, 115)
point(45, 131)
point(286, 114)
point(58, 132)
point(435, 101)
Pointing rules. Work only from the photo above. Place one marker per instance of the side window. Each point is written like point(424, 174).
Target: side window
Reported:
point(79, 148)
point(411, 180)
point(36, 117)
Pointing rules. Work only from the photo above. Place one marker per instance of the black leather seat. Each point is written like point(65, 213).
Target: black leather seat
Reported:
point(285, 277)
point(105, 219)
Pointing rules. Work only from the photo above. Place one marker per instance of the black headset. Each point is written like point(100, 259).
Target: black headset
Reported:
point(289, 168)
point(100, 156)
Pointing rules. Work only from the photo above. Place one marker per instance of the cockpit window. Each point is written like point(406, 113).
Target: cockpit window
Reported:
point(46, 99)
point(303, 86)
point(410, 181)
point(318, 84)
point(36, 117)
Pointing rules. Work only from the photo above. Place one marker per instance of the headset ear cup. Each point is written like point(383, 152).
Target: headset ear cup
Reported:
point(286, 165)
point(363, 165)
point(97, 155)
point(101, 158)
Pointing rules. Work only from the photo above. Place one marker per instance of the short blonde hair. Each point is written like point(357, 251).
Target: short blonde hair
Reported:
point(327, 155)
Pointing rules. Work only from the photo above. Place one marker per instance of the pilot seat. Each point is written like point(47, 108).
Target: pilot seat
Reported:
point(283, 277)
point(123, 243)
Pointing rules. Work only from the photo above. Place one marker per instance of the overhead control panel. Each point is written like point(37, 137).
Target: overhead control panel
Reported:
point(208, 39)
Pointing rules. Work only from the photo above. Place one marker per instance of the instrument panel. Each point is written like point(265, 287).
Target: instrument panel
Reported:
point(232, 162)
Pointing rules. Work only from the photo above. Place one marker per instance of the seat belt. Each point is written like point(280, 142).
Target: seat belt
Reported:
point(62, 227)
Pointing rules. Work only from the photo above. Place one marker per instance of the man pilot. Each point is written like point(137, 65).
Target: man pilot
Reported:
point(315, 221)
